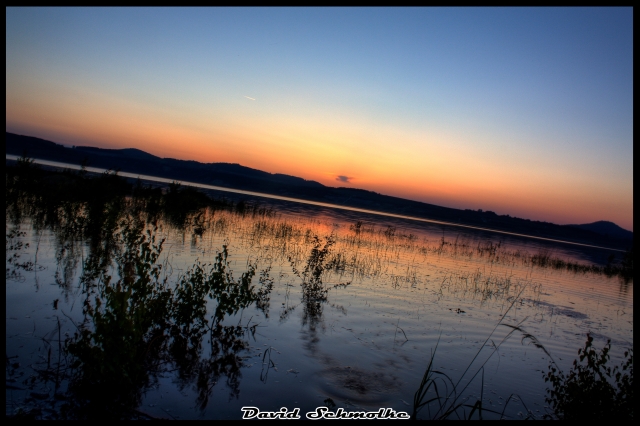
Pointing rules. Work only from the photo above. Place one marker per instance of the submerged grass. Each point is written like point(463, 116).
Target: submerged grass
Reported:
point(496, 253)
point(483, 286)
point(79, 203)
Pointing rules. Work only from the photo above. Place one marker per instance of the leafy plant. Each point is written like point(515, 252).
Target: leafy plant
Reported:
point(592, 390)
point(138, 326)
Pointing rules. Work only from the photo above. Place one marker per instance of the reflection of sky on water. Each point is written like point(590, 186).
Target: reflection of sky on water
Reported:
point(349, 350)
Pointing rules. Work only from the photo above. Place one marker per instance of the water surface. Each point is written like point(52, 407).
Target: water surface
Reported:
point(343, 306)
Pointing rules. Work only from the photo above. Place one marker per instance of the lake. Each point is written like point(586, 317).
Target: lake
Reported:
point(195, 314)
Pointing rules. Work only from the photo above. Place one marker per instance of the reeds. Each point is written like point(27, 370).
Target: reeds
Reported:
point(444, 399)
point(488, 286)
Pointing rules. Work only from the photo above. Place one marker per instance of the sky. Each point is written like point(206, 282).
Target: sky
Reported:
point(521, 111)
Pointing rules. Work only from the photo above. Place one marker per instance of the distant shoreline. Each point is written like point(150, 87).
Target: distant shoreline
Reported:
point(245, 180)
point(302, 201)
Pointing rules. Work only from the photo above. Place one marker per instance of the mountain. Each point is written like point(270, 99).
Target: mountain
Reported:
point(606, 228)
point(237, 176)
point(127, 152)
point(137, 161)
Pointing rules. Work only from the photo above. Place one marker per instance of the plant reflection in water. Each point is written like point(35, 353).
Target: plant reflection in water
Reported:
point(138, 326)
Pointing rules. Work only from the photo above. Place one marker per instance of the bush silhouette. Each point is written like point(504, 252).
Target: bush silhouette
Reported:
point(592, 390)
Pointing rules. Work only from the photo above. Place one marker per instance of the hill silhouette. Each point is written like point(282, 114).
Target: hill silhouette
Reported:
point(237, 176)
point(607, 228)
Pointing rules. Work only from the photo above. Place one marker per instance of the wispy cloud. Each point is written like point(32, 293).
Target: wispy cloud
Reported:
point(253, 99)
point(342, 178)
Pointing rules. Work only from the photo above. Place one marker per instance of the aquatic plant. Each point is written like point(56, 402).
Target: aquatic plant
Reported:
point(488, 286)
point(445, 399)
point(314, 290)
point(14, 248)
point(137, 325)
point(592, 390)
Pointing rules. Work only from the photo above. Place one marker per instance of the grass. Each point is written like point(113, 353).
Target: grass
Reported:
point(79, 203)
point(495, 253)
point(489, 286)
point(443, 398)
point(591, 390)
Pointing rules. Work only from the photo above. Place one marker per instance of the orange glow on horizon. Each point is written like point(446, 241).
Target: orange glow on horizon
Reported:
point(310, 151)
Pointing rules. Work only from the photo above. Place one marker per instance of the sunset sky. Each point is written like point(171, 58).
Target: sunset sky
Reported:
point(522, 111)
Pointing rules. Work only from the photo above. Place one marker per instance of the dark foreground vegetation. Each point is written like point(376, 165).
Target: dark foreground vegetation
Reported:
point(138, 325)
point(591, 390)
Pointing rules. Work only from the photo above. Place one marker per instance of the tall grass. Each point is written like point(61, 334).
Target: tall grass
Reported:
point(444, 398)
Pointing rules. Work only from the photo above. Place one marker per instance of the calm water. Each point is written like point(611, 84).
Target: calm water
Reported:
point(395, 289)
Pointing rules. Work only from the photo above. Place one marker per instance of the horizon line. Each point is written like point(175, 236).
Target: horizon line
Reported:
point(302, 201)
point(319, 183)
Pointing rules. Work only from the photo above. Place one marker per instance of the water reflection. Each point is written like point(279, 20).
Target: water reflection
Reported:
point(136, 324)
point(14, 250)
point(147, 315)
